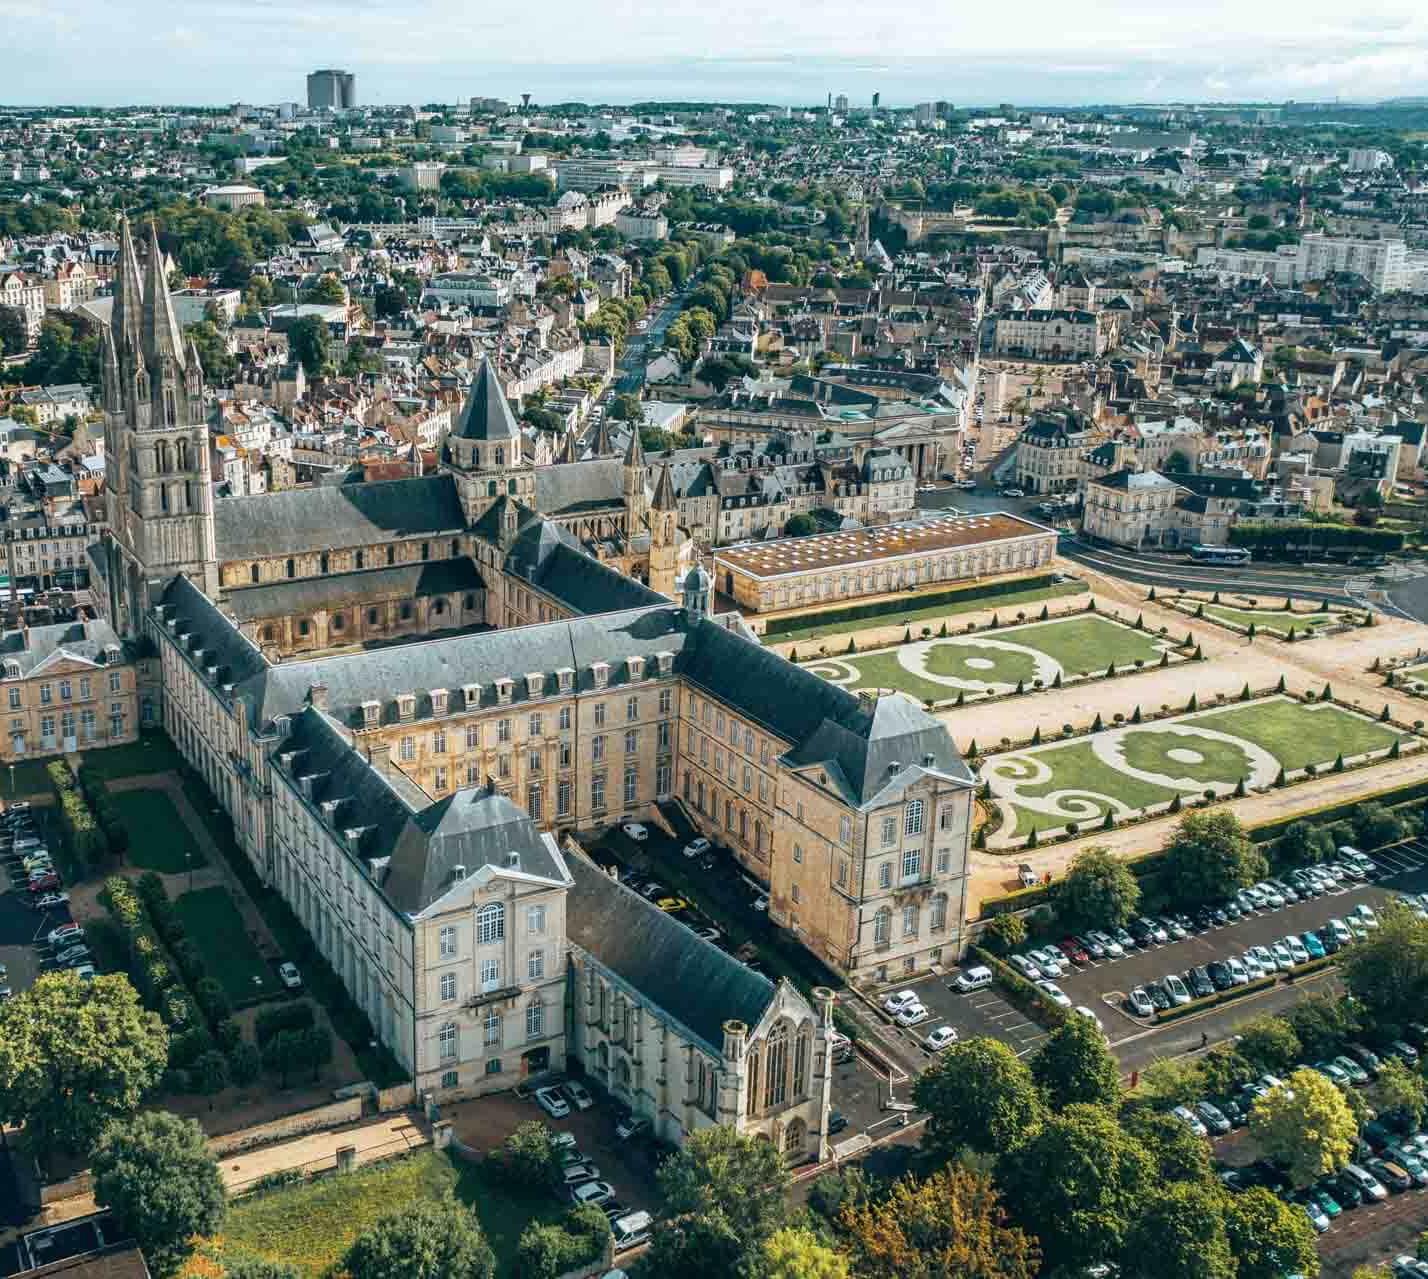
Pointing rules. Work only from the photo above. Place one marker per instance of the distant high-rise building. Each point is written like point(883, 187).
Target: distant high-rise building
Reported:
point(877, 98)
point(331, 88)
point(944, 110)
point(842, 102)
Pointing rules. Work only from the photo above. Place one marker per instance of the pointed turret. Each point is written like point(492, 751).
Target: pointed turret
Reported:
point(635, 454)
point(487, 414)
point(569, 449)
point(601, 446)
point(128, 297)
point(161, 336)
point(664, 491)
point(110, 379)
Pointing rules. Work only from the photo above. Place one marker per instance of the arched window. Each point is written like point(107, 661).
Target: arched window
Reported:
point(162, 461)
point(882, 926)
point(793, 1137)
point(291, 568)
point(500, 457)
point(752, 1105)
point(912, 818)
point(802, 1052)
point(776, 1073)
point(254, 573)
point(391, 555)
point(164, 498)
point(490, 923)
point(181, 453)
point(326, 563)
point(938, 920)
point(361, 560)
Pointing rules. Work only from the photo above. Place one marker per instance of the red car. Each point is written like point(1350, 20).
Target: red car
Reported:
point(1073, 950)
point(45, 883)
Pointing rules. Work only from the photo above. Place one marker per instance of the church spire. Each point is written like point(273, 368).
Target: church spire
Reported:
point(161, 337)
point(664, 491)
point(635, 454)
point(128, 297)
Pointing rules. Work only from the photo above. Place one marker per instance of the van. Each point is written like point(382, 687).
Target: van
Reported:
point(840, 1046)
point(978, 978)
point(1026, 876)
point(631, 1230)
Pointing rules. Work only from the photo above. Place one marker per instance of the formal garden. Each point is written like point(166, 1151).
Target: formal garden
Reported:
point(1287, 619)
point(998, 660)
point(1133, 767)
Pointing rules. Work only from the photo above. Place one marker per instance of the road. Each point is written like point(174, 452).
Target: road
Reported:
point(630, 373)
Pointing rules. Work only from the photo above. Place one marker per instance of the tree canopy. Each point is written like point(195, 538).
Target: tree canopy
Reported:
point(1387, 972)
point(1305, 1126)
point(1074, 1065)
point(980, 1095)
point(425, 1240)
point(1208, 856)
point(1098, 891)
point(1268, 1237)
point(1180, 1234)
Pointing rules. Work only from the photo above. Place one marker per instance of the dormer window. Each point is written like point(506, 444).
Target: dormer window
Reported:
point(471, 695)
point(636, 667)
point(566, 678)
point(371, 714)
point(535, 683)
point(438, 701)
point(406, 705)
point(666, 662)
point(504, 688)
point(600, 671)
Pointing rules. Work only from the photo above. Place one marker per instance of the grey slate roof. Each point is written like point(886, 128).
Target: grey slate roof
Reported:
point(487, 414)
point(569, 488)
point(195, 614)
point(405, 581)
point(550, 559)
point(313, 519)
point(694, 982)
point(33, 647)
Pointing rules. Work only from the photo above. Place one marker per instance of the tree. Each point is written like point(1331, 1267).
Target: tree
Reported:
point(438, 1239)
point(1305, 1126)
point(389, 302)
point(218, 1259)
point(793, 1253)
point(328, 291)
point(156, 1172)
point(1178, 1152)
point(307, 340)
point(1077, 1184)
point(1388, 970)
point(218, 365)
point(1098, 891)
point(1303, 843)
point(1005, 933)
point(952, 1223)
point(75, 1055)
point(1269, 1044)
point(1269, 1237)
point(800, 525)
point(723, 1194)
point(1169, 1081)
point(1208, 855)
point(627, 408)
point(529, 1154)
point(978, 1094)
point(1399, 1091)
point(1074, 1065)
point(1323, 1022)
point(1180, 1234)
point(14, 330)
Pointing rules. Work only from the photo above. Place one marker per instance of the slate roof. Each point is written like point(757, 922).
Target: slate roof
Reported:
point(694, 982)
point(550, 559)
point(487, 414)
point(313, 519)
point(33, 647)
point(193, 613)
point(404, 581)
point(570, 488)
point(1129, 479)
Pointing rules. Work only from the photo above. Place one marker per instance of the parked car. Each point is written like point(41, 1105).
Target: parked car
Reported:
point(1083, 1011)
point(1239, 974)
point(1200, 982)
point(550, 1101)
point(1313, 947)
point(1072, 948)
point(577, 1095)
point(896, 1002)
point(637, 831)
point(837, 1121)
point(1283, 957)
point(43, 883)
point(62, 934)
point(1190, 1120)
point(630, 1127)
point(913, 1014)
point(1025, 967)
point(50, 901)
point(1333, 1072)
point(1356, 1073)
point(1139, 1003)
point(592, 1192)
point(1051, 962)
point(1363, 912)
point(1296, 950)
point(1090, 945)
point(1110, 948)
point(1176, 989)
point(1175, 929)
point(937, 1040)
point(1366, 1182)
point(978, 977)
point(631, 1230)
point(1252, 966)
point(574, 1174)
point(1220, 975)
point(697, 847)
point(1366, 1058)
point(1054, 993)
point(1212, 1117)
point(1392, 1176)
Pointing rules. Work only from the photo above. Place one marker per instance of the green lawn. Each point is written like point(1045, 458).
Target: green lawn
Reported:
point(1298, 735)
point(1273, 620)
point(1089, 643)
point(216, 928)
point(966, 659)
point(1219, 761)
point(158, 837)
point(900, 617)
point(152, 753)
point(1076, 768)
point(310, 1226)
point(26, 777)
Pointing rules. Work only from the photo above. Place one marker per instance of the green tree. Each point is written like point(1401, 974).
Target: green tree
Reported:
point(75, 1055)
point(1180, 1234)
point(157, 1173)
point(1387, 972)
point(723, 1195)
point(952, 1223)
point(1208, 855)
point(795, 1253)
point(1178, 1152)
point(529, 1154)
point(1269, 1237)
point(978, 1094)
point(1323, 1022)
point(1098, 891)
point(1170, 1081)
point(1005, 933)
point(427, 1240)
point(328, 291)
point(1305, 1126)
point(1269, 1044)
point(1074, 1065)
point(218, 365)
point(1399, 1091)
point(14, 330)
point(307, 340)
point(1077, 1185)
point(627, 408)
point(800, 525)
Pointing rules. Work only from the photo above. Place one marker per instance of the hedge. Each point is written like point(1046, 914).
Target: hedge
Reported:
point(1219, 997)
point(157, 981)
point(88, 847)
point(1278, 538)
point(886, 608)
point(1020, 993)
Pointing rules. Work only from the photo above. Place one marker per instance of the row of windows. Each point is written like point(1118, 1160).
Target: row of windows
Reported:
point(448, 1037)
point(489, 975)
point(490, 927)
point(66, 690)
point(911, 915)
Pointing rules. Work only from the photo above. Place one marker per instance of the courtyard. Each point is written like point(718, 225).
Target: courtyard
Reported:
point(1133, 768)
point(992, 663)
point(214, 925)
point(1303, 618)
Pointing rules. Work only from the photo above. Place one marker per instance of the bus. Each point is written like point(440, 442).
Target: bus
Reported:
point(1219, 555)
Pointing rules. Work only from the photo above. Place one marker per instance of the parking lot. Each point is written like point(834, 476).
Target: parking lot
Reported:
point(22, 928)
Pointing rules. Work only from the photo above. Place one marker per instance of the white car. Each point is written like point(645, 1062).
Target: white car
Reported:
point(1113, 948)
point(697, 847)
point(1271, 894)
point(1239, 974)
point(942, 1037)
point(1252, 965)
point(1082, 1011)
point(290, 977)
point(1025, 967)
point(49, 901)
point(1296, 950)
point(1191, 1120)
point(550, 1101)
point(636, 831)
point(1363, 912)
point(912, 1015)
point(1054, 993)
point(899, 1000)
point(1283, 956)
point(592, 1192)
point(577, 1095)
point(1176, 989)
point(1050, 963)
point(64, 935)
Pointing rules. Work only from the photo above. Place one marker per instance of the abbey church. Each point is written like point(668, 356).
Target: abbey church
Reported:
point(413, 697)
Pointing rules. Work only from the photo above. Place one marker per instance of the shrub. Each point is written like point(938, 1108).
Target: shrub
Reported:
point(212, 1000)
point(210, 1072)
point(271, 1021)
point(227, 1034)
point(245, 1063)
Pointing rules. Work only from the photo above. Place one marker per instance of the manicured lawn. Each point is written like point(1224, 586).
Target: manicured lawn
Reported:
point(1298, 735)
point(216, 928)
point(1088, 643)
point(158, 838)
point(152, 753)
point(1274, 620)
point(1033, 595)
point(968, 660)
point(1077, 769)
point(505, 1209)
point(310, 1226)
point(1218, 761)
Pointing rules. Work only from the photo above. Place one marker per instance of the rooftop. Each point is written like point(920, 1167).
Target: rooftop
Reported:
point(861, 546)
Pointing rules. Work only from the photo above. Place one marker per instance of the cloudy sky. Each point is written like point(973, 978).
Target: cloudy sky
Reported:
point(124, 51)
